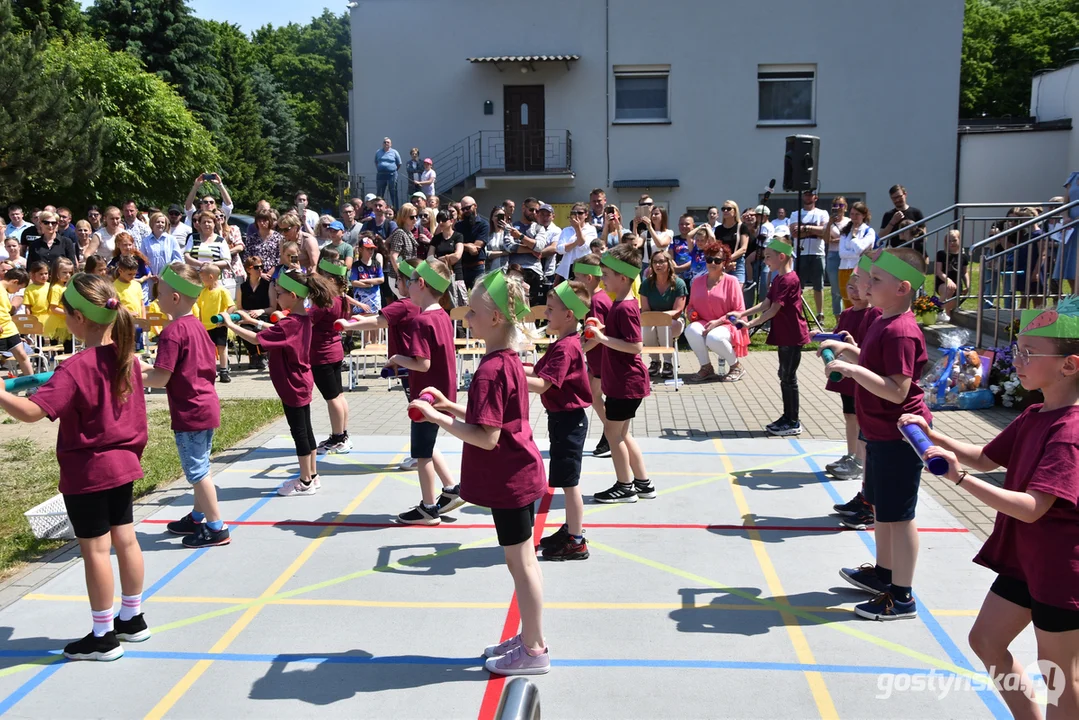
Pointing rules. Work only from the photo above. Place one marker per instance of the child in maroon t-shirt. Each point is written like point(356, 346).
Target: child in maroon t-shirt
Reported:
point(430, 360)
point(185, 366)
point(98, 398)
point(850, 322)
point(328, 353)
point(587, 270)
point(501, 467)
point(288, 345)
point(788, 331)
point(562, 383)
point(1034, 546)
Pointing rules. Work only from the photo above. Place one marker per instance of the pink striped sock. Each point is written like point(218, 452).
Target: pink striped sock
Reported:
point(102, 621)
point(130, 606)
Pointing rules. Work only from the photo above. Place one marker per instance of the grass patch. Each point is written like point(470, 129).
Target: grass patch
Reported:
point(32, 475)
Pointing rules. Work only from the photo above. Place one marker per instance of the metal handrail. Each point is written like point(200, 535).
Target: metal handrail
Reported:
point(1025, 224)
point(519, 701)
point(1030, 241)
point(958, 206)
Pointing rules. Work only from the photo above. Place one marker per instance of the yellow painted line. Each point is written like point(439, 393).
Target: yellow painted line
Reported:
point(192, 676)
point(817, 686)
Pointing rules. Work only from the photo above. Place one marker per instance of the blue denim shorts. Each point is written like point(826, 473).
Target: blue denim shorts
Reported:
point(194, 448)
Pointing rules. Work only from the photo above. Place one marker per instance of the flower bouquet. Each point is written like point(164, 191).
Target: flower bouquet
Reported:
point(927, 308)
point(1005, 384)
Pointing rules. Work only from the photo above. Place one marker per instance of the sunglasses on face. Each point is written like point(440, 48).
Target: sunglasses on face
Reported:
point(579, 212)
point(48, 222)
point(839, 206)
point(412, 217)
point(256, 267)
point(728, 209)
point(715, 261)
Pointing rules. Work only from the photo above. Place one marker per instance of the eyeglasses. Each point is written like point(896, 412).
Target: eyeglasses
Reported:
point(256, 267)
point(728, 209)
point(839, 207)
point(579, 212)
point(48, 222)
point(467, 207)
point(208, 202)
point(1024, 356)
point(715, 261)
point(412, 217)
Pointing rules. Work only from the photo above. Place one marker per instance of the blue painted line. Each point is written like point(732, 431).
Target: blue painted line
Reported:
point(45, 673)
point(316, 659)
point(991, 700)
point(658, 452)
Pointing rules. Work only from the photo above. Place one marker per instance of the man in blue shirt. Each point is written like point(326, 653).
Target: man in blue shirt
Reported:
point(17, 223)
point(380, 223)
point(387, 162)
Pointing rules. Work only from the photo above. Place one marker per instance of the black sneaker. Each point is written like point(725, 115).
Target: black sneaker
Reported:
point(653, 368)
point(133, 630)
point(786, 429)
point(852, 506)
point(603, 449)
point(184, 526)
point(91, 647)
point(223, 376)
point(773, 425)
point(569, 550)
point(618, 493)
point(861, 520)
point(645, 489)
point(865, 578)
point(449, 500)
point(419, 515)
point(206, 537)
point(555, 540)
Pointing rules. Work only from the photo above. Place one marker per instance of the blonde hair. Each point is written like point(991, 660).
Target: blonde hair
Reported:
point(403, 213)
point(517, 294)
point(287, 221)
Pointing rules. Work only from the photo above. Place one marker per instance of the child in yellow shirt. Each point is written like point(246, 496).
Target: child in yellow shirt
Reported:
point(55, 325)
point(127, 287)
point(10, 341)
point(36, 296)
point(215, 300)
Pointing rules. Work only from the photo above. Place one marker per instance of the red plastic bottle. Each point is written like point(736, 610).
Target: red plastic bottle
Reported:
point(414, 414)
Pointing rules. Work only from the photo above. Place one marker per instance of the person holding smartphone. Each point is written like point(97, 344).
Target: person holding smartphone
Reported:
point(208, 202)
point(612, 227)
point(497, 257)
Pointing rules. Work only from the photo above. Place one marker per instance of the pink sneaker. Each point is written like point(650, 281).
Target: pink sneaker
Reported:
point(295, 487)
point(503, 647)
point(519, 662)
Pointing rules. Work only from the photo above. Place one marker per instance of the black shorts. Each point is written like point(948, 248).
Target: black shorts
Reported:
point(810, 269)
point(9, 343)
point(848, 404)
point(94, 514)
point(220, 336)
point(567, 431)
point(514, 527)
point(893, 474)
point(328, 379)
point(619, 409)
point(424, 435)
point(1046, 618)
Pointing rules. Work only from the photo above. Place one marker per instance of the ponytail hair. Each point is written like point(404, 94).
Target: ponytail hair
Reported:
point(320, 291)
point(100, 292)
point(334, 258)
point(517, 294)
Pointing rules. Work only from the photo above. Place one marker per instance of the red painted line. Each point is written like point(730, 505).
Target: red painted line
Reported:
point(493, 692)
point(542, 523)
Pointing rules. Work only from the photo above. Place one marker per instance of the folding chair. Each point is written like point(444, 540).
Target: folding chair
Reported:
point(367, 352)
point(466, 347)
point(41, 353)
point(662, 321)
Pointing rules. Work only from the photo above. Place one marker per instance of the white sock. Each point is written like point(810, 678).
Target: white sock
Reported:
point(102, 621)
point(130, 606)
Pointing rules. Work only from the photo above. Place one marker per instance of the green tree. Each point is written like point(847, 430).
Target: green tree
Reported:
point(59, 18)
point(279, 128)
point(50, 137)
point(156, 145)
point(172, 43)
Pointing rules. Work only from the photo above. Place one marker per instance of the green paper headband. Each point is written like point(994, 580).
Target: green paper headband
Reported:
point(897, 268)
point(433, 279)
point(177, 283)
point(619, 266)
point(296, 288)
point(586, 269)
point(777, 245)
point(92, 312)
point(405, 269)
point(569, 298)
point(332, 268)
point(1052, 323)
point(499, 292)
point(865, 263)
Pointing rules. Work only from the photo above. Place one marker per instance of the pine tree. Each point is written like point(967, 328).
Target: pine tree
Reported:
point(59, 18)
point(280, 129)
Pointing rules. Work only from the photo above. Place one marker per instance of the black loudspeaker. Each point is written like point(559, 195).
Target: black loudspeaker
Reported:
point(800, 163)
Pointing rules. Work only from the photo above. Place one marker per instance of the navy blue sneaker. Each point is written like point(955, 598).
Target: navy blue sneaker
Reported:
point(861, 520)
point(886, 607)
point(865, 578)
point(853, 506)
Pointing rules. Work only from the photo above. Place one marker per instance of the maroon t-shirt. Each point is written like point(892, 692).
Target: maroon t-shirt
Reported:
point(1041, 452)
point(100, 440)
point(399, 317)
point(511, 475)
point(851, 321)
point(432, 338)
point(624, 375)
point(599, 307)
point(870, 317)
point(185, 349)
point(892, 346)
point(788, 325)
point(326, 347)
point(288, 344)
point(563, 366)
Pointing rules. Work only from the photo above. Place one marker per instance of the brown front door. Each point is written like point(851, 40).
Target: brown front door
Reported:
point(524, 132)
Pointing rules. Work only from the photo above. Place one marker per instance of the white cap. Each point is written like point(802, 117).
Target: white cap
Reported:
point(762, 210)
point(369, 197)
point(783, 230)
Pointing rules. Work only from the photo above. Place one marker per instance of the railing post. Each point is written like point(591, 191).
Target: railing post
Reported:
point(520, 701)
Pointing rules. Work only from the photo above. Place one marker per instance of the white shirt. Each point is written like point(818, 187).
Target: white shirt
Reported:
point(138, 230)
point(180, 233)
point(108, 240)
point(190, 212)
point(571, 255)
point(550, 234)
point(812, 245)
point(310, 219)
point(780, 222)
point(428, 190)
point(853, 243)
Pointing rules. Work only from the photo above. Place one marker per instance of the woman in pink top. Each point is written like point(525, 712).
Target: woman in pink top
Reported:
point(712, 297)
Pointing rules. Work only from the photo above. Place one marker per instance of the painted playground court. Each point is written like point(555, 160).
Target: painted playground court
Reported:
point(720, 598)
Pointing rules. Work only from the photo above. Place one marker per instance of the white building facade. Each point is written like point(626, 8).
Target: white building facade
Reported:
point(687, 100)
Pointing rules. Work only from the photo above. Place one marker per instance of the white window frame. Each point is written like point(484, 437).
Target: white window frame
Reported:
point(791, 69)
point(640, 71)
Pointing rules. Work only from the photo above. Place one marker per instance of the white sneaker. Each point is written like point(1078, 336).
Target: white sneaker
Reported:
point(409, 464)
point(295, 487)
point(339, 447)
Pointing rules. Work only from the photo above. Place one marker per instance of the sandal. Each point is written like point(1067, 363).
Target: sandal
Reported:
point(702, 376)
point(734, 375)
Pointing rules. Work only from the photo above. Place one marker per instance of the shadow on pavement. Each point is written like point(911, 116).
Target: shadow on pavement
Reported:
point(694, 617)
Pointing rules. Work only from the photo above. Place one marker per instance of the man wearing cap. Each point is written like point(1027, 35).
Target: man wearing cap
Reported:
point(427, 177)
point(808, 227)
point(475, 231)
point(368, 207)
point(524, 244)
point(348, 222)
point(336, 232)
point(549, 254)
point(380, 222)
point(425, 216)
point(387, 163)
point(761, 231)
point(177, 227)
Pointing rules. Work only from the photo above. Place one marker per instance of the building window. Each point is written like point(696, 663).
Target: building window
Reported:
point(786, 94)
point(641, 94)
